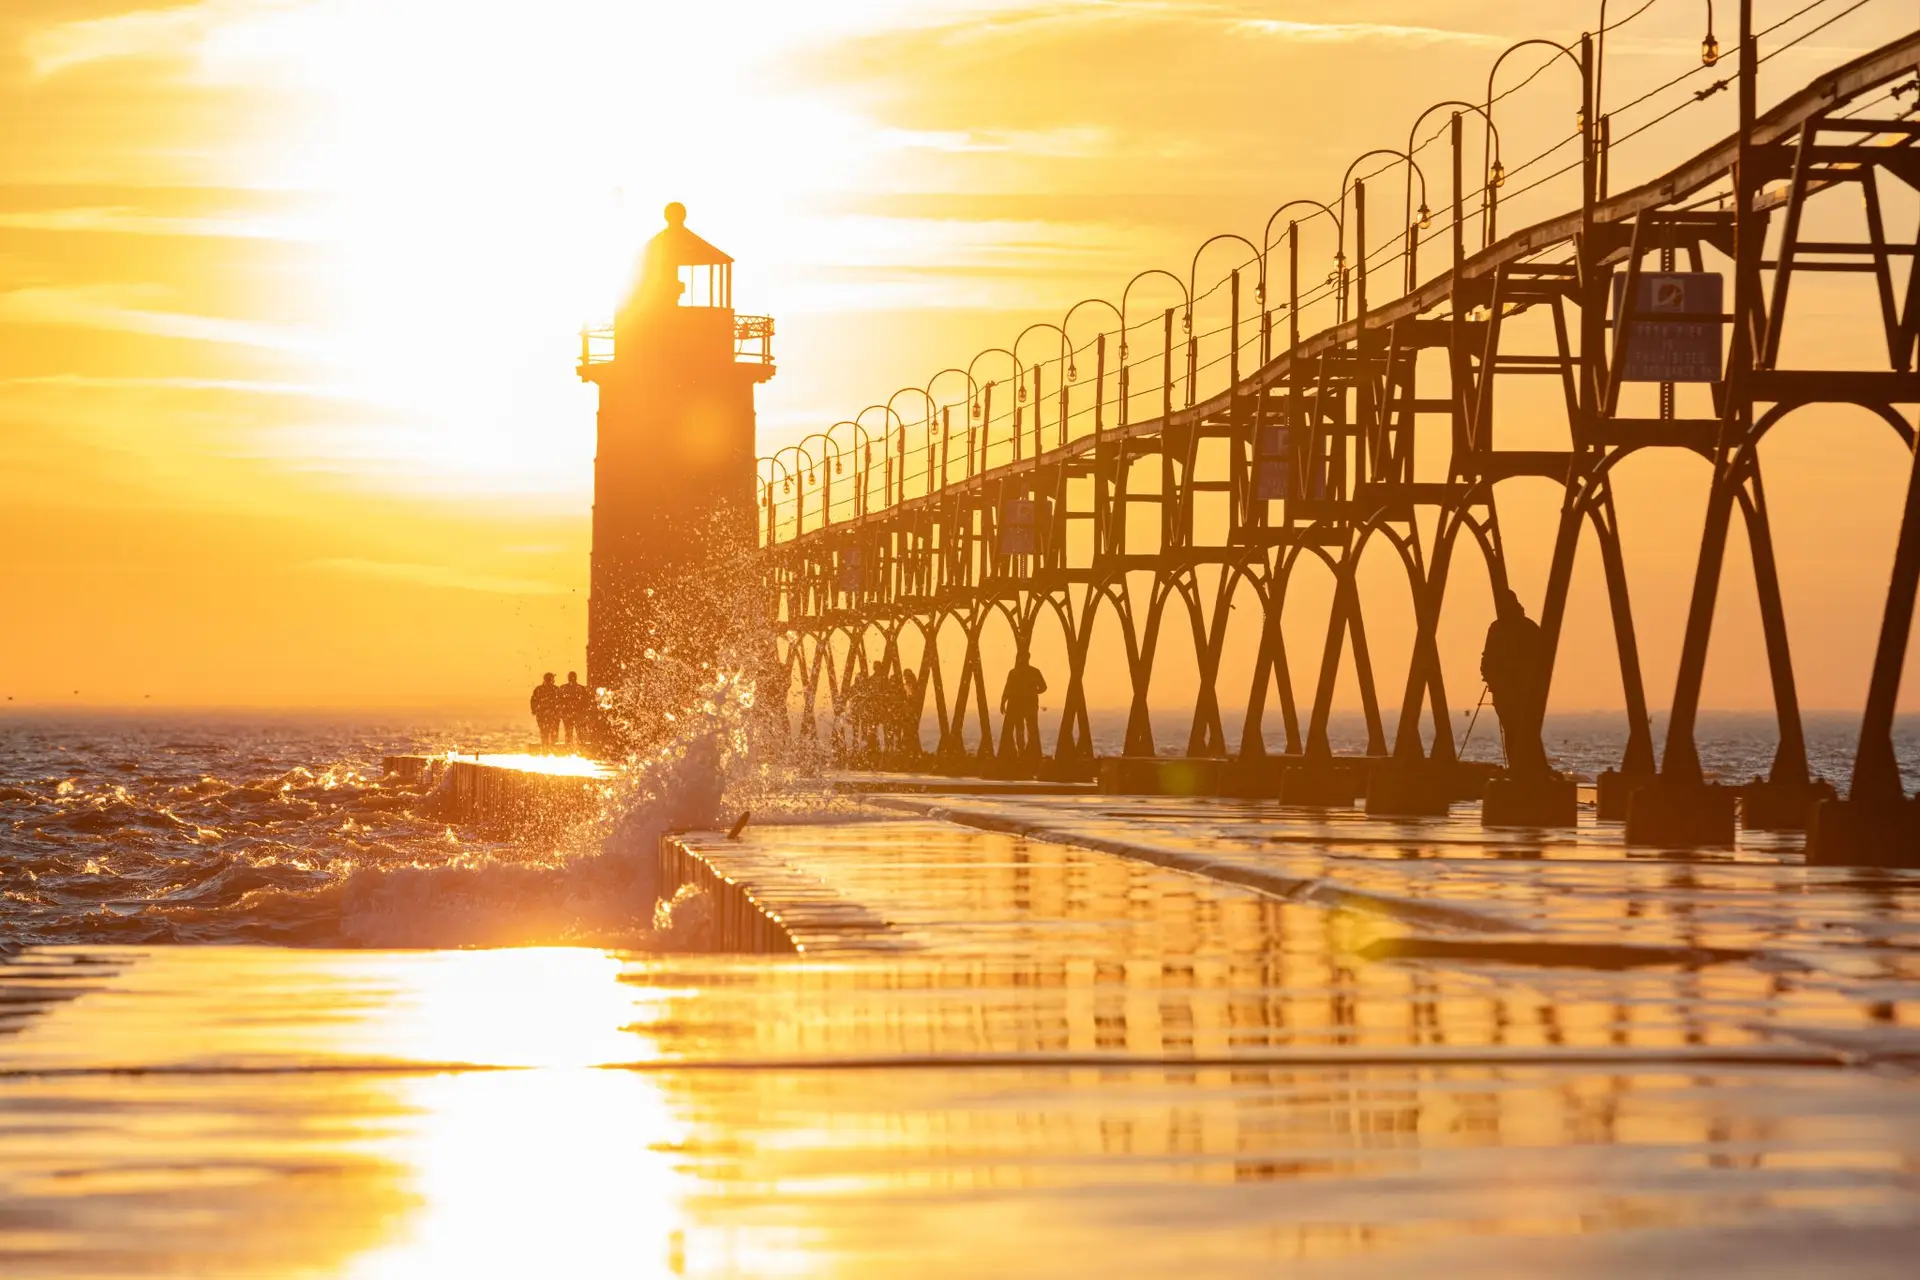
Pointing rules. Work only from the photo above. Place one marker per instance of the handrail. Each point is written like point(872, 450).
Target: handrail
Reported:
point(597, 341)
point(1894, 59)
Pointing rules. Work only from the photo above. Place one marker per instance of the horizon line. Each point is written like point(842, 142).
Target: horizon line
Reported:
point(450, 708)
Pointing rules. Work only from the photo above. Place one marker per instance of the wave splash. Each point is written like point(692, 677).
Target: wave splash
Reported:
point(150, 830)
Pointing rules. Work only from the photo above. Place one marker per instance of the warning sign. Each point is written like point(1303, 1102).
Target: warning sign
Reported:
point(1016, 527)
point(1273, 478)
point(1672, 332)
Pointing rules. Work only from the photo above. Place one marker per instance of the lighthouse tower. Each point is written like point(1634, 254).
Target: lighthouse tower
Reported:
point(673, 476)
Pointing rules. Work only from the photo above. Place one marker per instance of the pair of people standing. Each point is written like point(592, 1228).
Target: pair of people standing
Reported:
point(561, 708)
point(1020, 705)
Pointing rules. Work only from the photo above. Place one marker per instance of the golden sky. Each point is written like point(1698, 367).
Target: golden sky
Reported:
point(289, 292)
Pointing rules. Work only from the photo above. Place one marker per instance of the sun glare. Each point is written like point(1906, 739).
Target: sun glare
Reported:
point(464, 187)
point(512, 1007)
point(482, 181)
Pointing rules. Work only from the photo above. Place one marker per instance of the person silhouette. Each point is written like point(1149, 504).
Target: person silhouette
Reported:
point(904, 723)
point(1514, 664)
point(545, 705)
point(870, 713)
point(1020, 704)
point(576, 706)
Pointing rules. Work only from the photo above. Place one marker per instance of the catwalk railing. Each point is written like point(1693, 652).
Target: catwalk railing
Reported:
point(1036, 508)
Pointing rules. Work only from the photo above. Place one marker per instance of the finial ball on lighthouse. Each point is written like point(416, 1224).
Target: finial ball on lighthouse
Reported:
point(676, 214)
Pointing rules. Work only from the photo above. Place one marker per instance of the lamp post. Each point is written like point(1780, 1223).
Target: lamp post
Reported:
point(972, 390)
point(1490, 202)
point(1186, 321)
point(1259, 293)
point(832, 463)
point(1492, 161)
point(1293, 270)
point(1100, 357)
point(800, 499)
point(983, 407)
point(926, 396)
point(1036, 368)
point(765, 485)
point(895, 420)
point(1709, 55)
point(862, 462)
point(1359, 192)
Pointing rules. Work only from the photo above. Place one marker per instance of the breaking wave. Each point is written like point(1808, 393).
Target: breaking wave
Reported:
point(175, 829)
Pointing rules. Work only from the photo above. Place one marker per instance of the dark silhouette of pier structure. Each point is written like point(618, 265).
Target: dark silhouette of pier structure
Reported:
point(1034, 489)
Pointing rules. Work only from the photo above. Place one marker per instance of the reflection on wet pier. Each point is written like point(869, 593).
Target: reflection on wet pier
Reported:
point(1021, 1055)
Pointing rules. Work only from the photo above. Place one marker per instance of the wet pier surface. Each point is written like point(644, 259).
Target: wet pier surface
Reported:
point(1061, 1035)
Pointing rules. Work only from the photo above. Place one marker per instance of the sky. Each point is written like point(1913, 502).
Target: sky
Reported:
point(290, 293)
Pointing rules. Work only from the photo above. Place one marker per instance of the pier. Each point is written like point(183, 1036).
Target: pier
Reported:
point(1106, 491)
point(522, 788)
point(1116, 1034)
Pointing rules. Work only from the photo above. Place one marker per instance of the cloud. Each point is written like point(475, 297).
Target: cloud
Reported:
point(116, 220)
point(433, 575)
point(1082, 141)
point(174, 32)
point(241, 386)
point(97, 308)
point(1353, 32)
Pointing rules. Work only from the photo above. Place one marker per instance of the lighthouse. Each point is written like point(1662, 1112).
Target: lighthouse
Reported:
point(674, 468)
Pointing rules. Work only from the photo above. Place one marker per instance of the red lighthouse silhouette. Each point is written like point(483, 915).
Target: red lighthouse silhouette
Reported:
point(673, 475)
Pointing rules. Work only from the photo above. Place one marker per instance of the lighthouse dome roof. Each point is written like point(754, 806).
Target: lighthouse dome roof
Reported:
point(680, 247)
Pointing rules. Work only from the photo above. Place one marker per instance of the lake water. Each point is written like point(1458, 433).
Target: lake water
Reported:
point(222, 828)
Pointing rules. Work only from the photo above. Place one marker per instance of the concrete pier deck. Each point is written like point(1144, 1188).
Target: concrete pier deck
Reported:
point(518, 787)
point(1006, 1052)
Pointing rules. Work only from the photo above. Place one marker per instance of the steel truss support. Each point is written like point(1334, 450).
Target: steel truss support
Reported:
point(1313, 455)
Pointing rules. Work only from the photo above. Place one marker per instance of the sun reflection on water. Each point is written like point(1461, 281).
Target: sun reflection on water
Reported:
point(514, 1007)
point(589, 1187)
point(563, 1169)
